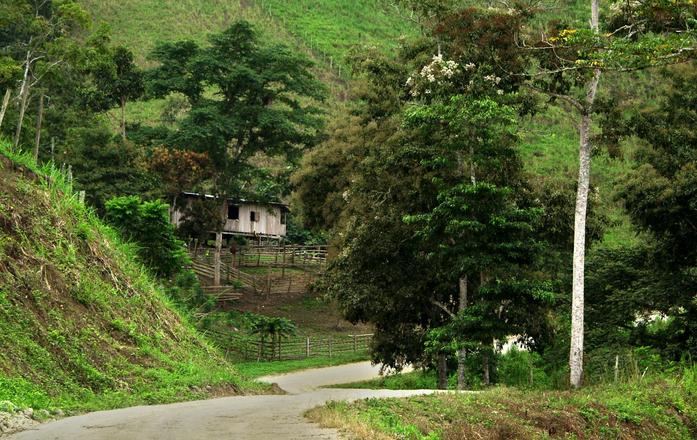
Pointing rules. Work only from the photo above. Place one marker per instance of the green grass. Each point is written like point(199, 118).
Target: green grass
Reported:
point(256, 369)
point(322, 28)
point(140, 24)
point(649, 409)
point(332, 27)
point(414, 380)
point(82, 325)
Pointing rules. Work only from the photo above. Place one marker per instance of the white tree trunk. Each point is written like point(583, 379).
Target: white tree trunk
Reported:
point(23, 96)
point(579, 257)
point(5, 103)
point(462, 353)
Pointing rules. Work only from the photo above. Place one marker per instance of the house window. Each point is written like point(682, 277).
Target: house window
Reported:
point(233, 212)
point(253, 216)
point(284, 218)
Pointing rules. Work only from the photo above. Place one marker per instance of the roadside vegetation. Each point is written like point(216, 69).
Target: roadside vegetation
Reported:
point(83, 326)
point(653, 407)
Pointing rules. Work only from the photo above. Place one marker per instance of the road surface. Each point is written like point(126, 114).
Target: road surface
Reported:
point(234, 418)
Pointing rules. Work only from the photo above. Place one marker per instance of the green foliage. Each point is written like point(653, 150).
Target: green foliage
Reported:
point(263, 102)
point(20, 393)
point(410, 228)
point(147, 224)
point(105, 167)
point(273, 328)
point(634, 288)
point(115, 80)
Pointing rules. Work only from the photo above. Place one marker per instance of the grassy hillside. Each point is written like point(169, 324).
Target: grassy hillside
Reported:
point(332, 27)
point(324, 29)
point(81, 325)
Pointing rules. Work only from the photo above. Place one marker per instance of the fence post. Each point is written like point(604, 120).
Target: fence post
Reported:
point(330, 347)
point(307, 347)
point(354, 343)
point(617, 367)
point(283, 268)
point(216, 258)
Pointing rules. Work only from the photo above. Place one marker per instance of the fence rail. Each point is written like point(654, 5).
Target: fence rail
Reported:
point(274, 256)
point(284, 282)
point(294, 347)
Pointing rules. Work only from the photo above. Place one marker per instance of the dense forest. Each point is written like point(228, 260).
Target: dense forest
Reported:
point(486, 174)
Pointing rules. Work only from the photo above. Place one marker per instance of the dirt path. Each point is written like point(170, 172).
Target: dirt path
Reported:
point(238, 418)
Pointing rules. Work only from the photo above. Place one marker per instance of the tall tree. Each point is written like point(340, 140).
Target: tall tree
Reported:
point(571, 63)
point(246, 99)
point(35, 40)
point(115, 80)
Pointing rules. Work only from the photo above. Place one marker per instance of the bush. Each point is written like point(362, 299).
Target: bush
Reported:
point(522, 369)
point(147, 225)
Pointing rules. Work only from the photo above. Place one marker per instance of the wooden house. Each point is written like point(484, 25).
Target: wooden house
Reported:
point(241, 217)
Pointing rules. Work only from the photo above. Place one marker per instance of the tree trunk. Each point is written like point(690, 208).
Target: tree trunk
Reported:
point(579, 257)
point(39, 120)
point(5, 103)
point(485, 365)
point(462, 353)
point(216, 258)
point(442, 371)
point(23, 97)
point(123, 117)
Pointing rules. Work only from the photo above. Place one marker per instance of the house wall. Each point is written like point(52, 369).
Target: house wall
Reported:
point(268, 219)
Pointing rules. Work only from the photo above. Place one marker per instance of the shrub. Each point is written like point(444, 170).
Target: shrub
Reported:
point(146, 223)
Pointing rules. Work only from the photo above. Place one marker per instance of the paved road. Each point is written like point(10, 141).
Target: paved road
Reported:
point(234, 418)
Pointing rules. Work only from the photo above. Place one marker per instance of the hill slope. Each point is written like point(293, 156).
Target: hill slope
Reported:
point(81, 325)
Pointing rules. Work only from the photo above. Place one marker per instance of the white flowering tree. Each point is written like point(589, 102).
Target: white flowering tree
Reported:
point(478, 232)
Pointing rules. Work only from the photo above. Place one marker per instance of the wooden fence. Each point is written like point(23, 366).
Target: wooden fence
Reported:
point(293, 347)
point(272, 256)
point(270, 283)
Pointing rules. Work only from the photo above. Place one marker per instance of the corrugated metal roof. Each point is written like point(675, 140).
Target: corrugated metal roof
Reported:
point(233, 200)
